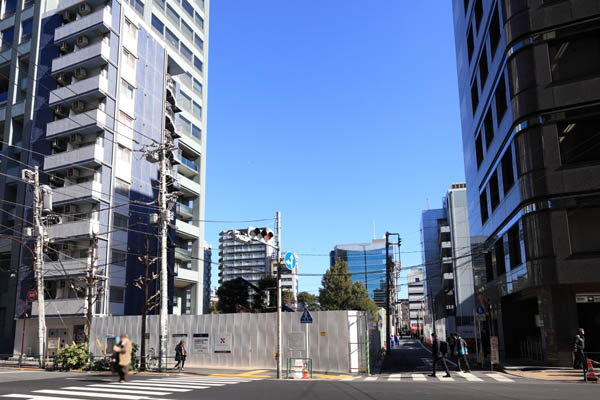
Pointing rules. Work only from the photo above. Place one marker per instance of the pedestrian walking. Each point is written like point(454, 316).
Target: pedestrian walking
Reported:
point(397, 340)
point(180, 355)
point(438, 353)
point(123, 348)
point(462, 352)
point(452, 344)
point(578, 349)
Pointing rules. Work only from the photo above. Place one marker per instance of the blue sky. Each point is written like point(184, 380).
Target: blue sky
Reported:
point(340, 114)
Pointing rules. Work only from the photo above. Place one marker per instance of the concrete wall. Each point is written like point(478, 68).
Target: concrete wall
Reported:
point(336, 338)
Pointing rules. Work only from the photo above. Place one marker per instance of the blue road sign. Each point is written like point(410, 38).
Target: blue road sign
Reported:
point(306, 318)
point(480, 310)
point(290, 261)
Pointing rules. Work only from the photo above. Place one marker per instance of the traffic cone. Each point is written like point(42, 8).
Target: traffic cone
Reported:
point(590, 375)
point(305, 373)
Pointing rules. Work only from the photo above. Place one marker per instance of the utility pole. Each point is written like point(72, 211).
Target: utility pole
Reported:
point(389, 269)
point(150, 302)
point(164, 220)
point(92, 291)
point(278, 249)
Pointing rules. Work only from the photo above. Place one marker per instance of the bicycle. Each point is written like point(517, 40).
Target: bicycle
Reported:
point(151, 359)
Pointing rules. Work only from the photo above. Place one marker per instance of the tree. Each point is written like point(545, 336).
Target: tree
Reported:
point(287, 298)
point(143, 283)
point(232, 294)
point(339, 293)
point(337, 288)
point(309, 301)
point(267, 286)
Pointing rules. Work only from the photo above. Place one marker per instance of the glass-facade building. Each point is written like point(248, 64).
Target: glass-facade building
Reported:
point(530, 115)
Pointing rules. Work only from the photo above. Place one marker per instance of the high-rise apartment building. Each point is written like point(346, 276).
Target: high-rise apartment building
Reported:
point(289, 278)
point(251, 261)
point(416, 300)
point(530, 107)
point(90, 88)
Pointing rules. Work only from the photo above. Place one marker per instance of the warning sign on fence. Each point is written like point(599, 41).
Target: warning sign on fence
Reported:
point(222, 343)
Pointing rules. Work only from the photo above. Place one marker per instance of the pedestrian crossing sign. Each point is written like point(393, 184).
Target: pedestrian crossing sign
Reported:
point(306, 318)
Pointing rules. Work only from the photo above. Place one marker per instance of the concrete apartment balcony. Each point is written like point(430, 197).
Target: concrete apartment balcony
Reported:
point(448, 276)
point(444, 229)
point(183, 254)
point(446, 260)
point(62, 307)
point(446, 245)
point(187, 168)
point(73, 229)
point(188, 186)
point(186, 275)
point(70, 267)
point(95, 24)
point(186, 230)
point(184, 212)
point(88, 190)
point(91, 155)
point(93, 88)
point(90, 56)
point(190, 142)
point(84, 123)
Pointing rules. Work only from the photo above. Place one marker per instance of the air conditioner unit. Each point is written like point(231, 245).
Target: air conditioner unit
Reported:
point(80, 73)
point(61, 111)
point(85, 9)
point(72, 173)
point(70, 209)
point(82, 41)
point(57, 144)
point(78, 106)
point(75, 139)
point(65, 47)
point(62, 79)
point(67, 16)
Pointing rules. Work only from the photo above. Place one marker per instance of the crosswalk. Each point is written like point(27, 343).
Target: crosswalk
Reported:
point(140, 389)
point(455, 377)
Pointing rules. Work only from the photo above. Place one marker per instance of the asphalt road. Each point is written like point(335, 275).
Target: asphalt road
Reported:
point(405, 378)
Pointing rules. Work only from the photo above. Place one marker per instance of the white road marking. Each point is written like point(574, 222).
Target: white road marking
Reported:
point(113, 389)
point(418, 377)
point(11, 372)
point(499, 377)
point(94, 394)
point(445, 378)
point(470, 377)
point(168, 386)
point(395, 377)
point(371, 378)
point(187, 384)
point(34, 397)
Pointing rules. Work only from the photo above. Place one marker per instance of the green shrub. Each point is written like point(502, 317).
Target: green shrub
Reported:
point(72, 357)
point(98, 364)
point(134, 363)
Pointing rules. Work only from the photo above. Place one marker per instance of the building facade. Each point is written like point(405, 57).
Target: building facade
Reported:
point(91, 87)
point(527, 77)
point(416, 300)
point(289, 278)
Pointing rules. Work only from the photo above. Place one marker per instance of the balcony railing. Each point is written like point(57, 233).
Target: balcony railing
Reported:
point(96, 50)
point(76, 266)
point(185, 211)
point(183, 253)
point(76, 89)
point(72, 229)
point(92, 153)
point(63, 307)
point(93, 120)
point(99, 17)
point(91, 189)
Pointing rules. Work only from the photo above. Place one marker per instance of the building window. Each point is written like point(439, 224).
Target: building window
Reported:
point(508, 178)
point(583, 233)
point(495, 31)
point(183, 124)
point(478, 10)
point(198, 64)
point(196, 132)
point(494, 191)
point(130, 29)
point(479, 149)
point(483, 206)
point(470, 43)
point(514, 246)
point(489, 267)
point(7, 38)
point(467, 6)
point(118, 258)
point(158, 25)
point(127, 90)
point(171, 38)
point(129, 59)
point(483, 66)
point(500, 97)
point(159, 3)
point(488, 125)
point(188, 7)
point(117, 294)
point(124, 154)
point(197, 87)
point(120, 221)
point(187, 31)
point(579, 141)
point(172, 15)
point(199, 21)
point(575, 57)
point(185, 52)
point(121, 187)
point(500, 261)
point(26, 28)
point(474, 96)
point(198, 42)
point(185, 101)
point(197, 111)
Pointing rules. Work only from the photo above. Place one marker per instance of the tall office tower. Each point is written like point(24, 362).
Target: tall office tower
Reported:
point(416, 300)
point(251, 261)
point(366, 263)
point(92, 89)
point(530, 106)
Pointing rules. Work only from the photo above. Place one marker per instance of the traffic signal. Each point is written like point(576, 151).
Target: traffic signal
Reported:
point(265, 234)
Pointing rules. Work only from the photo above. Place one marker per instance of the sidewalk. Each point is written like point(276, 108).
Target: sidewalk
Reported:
point(564, 374)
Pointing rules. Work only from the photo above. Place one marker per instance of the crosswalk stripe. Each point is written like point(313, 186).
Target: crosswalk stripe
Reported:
point(395, 377)
point(470, 377)
point(445, 378)
point(33, 397)
point(114, 389)
point(196, 380)
point(94, 394)
point(499, 378)
point(371, 378)
point(418, 377)
point(157, 386)
point(186, 384)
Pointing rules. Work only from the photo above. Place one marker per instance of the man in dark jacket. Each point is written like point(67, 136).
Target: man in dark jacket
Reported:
point(578, 347)
point(438, 355)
